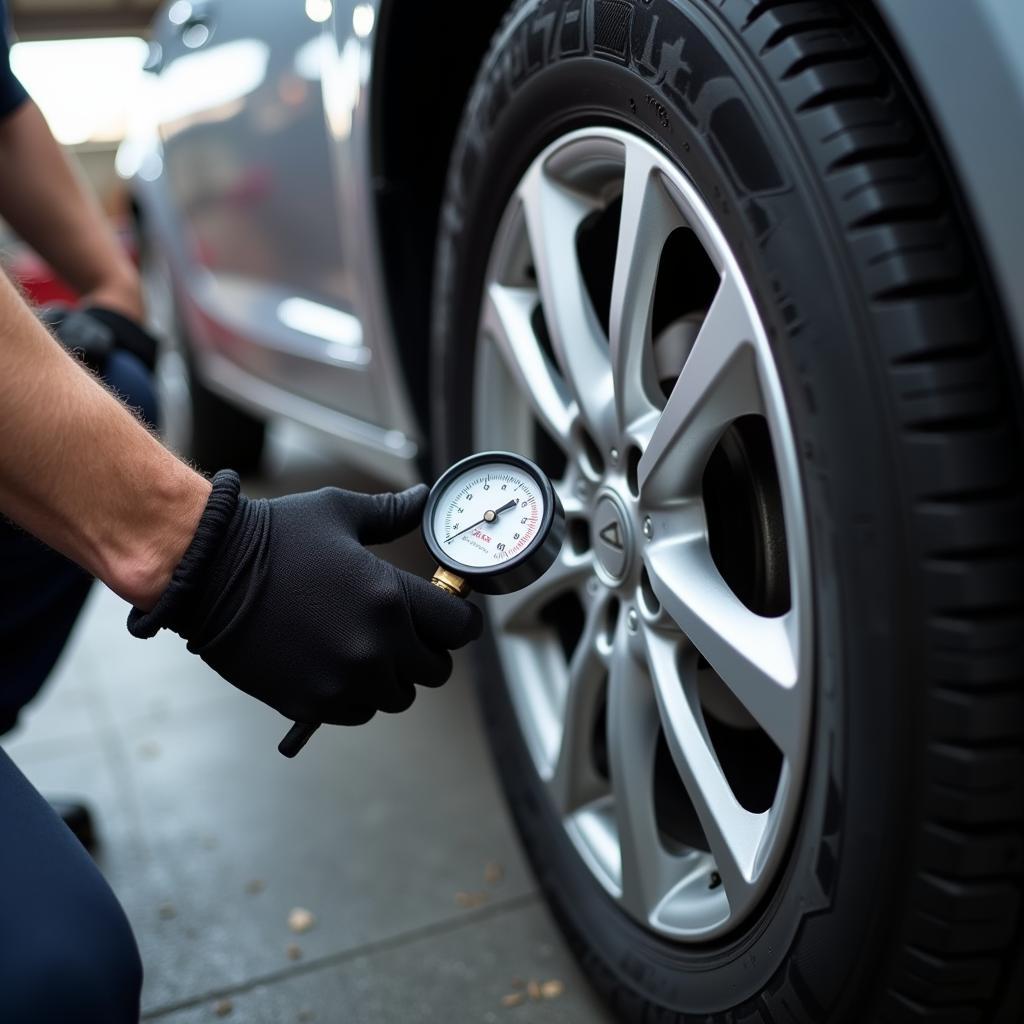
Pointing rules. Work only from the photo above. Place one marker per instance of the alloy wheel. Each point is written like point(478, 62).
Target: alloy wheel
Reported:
point(661, 669)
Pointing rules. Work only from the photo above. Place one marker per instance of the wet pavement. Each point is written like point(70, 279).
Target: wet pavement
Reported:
point(394, 836)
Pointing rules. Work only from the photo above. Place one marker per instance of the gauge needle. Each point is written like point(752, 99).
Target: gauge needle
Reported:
point(489, 517)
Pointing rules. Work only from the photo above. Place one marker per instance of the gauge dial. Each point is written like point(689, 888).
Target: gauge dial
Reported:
point(488, 515)
point(494, 522)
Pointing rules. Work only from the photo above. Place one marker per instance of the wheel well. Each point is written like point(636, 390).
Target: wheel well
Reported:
point(424, 66)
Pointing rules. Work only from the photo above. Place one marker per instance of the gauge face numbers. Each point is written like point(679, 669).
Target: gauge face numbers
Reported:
point(488, 515)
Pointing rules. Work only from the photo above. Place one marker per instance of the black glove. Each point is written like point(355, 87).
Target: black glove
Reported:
point(93, 333)
point(129, 335)
point(281, 598)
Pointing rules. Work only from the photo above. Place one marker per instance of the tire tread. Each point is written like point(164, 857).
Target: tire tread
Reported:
point(963, 921)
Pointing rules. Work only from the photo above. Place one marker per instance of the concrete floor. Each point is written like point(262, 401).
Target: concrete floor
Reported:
point(393, 835)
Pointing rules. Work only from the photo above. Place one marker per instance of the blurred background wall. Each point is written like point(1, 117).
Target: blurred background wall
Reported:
point(81, 60)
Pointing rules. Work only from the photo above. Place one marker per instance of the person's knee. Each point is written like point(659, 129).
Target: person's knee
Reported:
point(67, 953)
point(76, 977)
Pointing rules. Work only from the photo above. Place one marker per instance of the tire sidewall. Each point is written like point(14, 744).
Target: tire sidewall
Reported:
point(825, 908)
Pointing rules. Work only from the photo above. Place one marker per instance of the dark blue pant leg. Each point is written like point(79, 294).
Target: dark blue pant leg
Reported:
point(67, 955)
point(133, 384)
point(41, 592)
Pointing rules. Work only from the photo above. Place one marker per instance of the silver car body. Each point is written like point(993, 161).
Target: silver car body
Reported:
point(255, 178)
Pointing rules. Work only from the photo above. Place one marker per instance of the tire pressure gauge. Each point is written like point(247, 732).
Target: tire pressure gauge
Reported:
point(494, 524)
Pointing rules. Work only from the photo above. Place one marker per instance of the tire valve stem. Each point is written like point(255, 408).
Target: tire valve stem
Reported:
point(714, 880)
point(449, 582)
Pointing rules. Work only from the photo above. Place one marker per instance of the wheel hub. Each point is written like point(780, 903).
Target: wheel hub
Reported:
point(612, 538)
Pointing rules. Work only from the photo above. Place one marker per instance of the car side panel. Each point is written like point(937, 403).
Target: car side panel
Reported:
point(270, 285)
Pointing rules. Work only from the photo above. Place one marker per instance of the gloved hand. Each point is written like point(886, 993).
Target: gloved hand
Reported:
point(129, 335)
point(281, 598)
point(93, 333)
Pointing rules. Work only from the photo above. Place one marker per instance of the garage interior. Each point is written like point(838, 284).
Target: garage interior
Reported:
point(43, 20)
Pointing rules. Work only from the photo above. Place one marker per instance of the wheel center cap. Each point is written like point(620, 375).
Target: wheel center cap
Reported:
point(612, 538)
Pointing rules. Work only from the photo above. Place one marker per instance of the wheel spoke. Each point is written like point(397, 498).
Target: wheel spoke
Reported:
point(574, 780)
point(507, 318)
point(648, 218)
point(553, 216)
point(718, 384)
point(570, 492)
point(646, 870)
point(521, 608)
point(755, 656)
point(734, 834)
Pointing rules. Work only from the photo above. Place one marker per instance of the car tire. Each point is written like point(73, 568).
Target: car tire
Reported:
point(898, 894)
point(195, 421)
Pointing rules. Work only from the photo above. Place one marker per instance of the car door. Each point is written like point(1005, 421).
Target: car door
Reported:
point(248, 168)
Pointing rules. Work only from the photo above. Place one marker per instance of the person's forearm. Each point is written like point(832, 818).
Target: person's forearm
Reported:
point(78, 471)
point(46, 203)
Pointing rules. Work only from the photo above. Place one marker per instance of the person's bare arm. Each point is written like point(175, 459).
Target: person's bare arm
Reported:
point(44, 200)
point(79, 472)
